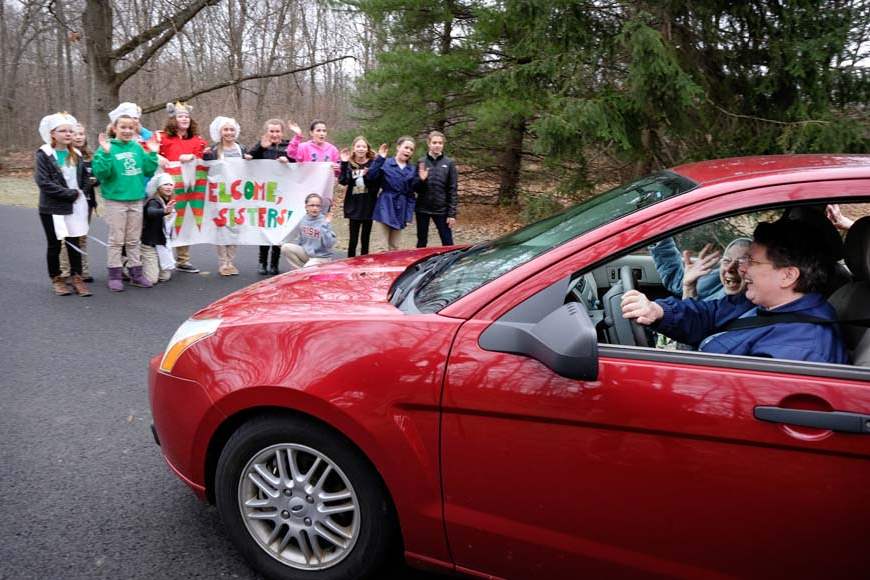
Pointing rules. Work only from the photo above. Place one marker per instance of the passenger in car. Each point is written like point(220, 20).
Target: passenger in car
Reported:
point(668, 261)
point(728, 271)
point(785, 316)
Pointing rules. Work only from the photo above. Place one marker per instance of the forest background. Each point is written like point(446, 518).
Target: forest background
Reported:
point(543, 102)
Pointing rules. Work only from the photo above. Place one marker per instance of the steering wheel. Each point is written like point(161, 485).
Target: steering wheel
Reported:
point(628, 283)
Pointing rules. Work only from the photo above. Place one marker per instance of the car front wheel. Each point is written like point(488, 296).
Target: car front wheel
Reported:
point(300, 502)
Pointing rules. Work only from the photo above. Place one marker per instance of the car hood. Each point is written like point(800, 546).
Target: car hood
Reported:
point(353, 287)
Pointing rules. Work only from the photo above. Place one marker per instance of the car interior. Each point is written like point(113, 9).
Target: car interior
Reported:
point(600, 289)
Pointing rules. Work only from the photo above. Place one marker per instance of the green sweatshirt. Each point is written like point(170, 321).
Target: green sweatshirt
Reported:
point(122, 170)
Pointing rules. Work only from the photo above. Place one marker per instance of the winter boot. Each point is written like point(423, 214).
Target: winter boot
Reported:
point(58, 283)
point(79, 286)
point(137, 278)
point(115, 284)
point(273, 266)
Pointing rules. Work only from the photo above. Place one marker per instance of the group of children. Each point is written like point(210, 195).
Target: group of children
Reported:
point(139, 208)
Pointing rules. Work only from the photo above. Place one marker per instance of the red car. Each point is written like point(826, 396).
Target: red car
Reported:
point(487, 410)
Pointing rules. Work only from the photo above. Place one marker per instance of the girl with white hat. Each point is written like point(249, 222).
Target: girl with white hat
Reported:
point(224, 132)
point(121, 165)
point(157, 228)
point(63, 209)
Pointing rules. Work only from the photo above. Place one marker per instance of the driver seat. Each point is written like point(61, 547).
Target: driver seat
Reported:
point(852, 300)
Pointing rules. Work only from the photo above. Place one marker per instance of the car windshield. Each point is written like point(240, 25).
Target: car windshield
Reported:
point(487, 261)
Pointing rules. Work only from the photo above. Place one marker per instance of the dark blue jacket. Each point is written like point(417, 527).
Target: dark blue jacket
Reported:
point(669, 264)
point(695, 322)
point(395, 204)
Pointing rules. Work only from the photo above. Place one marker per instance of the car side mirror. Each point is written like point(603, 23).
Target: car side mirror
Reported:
point(565, 341)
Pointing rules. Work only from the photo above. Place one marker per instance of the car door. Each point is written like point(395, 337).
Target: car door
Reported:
point(660, 466)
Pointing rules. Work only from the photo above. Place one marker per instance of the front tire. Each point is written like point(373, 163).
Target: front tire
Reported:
point(300, 502)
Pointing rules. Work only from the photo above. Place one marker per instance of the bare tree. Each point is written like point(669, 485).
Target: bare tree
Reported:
point(103, 59)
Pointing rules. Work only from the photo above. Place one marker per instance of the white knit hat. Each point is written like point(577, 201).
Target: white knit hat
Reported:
point(215, 128)
point(125, 110)
point(158, 180)
point(51, 122)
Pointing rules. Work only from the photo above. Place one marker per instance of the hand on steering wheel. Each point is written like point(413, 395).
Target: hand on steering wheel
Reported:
point(638, 332)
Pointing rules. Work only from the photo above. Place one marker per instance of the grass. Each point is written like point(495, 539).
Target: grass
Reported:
point(18, 191)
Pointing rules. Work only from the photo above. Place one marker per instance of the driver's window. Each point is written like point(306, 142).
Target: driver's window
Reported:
point(701, 263)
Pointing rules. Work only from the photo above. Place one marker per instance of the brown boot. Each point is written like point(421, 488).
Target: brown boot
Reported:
point(59, 285)
point(79, 286)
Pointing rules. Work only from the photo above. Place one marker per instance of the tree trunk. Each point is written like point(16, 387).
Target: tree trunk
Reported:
point(102, 86)
point(510, 162)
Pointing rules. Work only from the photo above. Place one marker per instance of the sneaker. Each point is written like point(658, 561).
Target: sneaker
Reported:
point(262, 271)
point(189, 268)
point(232, 270)
point(273, 271)
point(224, 271)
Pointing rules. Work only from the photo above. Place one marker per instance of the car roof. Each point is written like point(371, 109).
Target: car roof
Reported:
point(739, 168)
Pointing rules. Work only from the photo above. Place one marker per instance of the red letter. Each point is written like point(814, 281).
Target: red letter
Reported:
point(221, 220)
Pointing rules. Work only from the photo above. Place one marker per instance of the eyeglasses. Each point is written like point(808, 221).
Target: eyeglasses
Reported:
point(748, 261)
point(312, 205)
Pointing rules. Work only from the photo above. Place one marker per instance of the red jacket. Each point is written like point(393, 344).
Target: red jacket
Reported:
point(173, 147)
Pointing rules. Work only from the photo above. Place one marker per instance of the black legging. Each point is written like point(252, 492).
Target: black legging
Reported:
point(52, 254)
point(355, 226)
point(264, 255)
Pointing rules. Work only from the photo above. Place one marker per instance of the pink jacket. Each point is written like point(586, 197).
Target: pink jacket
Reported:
point(308, 151)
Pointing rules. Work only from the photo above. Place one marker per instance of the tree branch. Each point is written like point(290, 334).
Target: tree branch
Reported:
point(762, 120)
point(122, 75)
point(174, 23)
point(62, 21)
point(229, 83)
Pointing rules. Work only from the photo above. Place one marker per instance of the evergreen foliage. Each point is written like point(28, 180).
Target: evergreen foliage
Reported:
point(568, 87)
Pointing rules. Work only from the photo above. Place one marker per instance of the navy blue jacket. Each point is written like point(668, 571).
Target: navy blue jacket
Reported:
point(395, 204)
point(695, 322)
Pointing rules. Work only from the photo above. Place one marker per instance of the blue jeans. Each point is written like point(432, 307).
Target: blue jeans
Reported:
point(444, 232)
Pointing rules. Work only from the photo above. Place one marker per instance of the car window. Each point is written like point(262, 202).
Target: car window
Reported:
point(658, 274)
point(490, 260)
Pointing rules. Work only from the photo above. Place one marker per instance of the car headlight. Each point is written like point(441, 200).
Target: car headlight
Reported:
point(188, 334)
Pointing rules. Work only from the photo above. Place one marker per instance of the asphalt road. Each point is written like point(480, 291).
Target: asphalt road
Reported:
point(85, 491)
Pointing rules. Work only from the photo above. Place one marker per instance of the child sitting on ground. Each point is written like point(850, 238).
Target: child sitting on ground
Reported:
point(157, 260)
point(316, 237)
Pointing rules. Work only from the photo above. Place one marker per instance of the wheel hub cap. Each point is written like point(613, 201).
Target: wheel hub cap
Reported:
point(299, 506)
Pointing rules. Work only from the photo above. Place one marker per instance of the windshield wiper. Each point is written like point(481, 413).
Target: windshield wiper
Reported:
point(411, 280)
point(447, 260)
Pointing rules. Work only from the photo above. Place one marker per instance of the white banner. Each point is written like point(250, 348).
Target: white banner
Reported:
point(236, 201)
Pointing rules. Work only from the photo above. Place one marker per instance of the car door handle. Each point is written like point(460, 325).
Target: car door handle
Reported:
point(833, 420)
